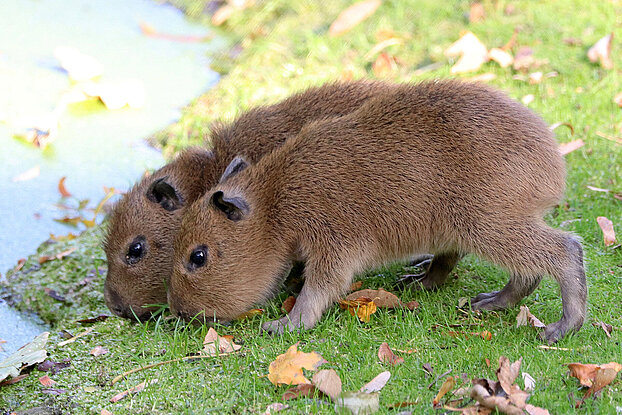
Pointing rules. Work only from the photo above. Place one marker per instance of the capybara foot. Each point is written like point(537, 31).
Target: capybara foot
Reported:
point(489, 301)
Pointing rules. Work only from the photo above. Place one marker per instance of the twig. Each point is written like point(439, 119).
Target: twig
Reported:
point(442, 375)
point(76, 337)
point(609, 137)
point(544, 346)
point(180, 359)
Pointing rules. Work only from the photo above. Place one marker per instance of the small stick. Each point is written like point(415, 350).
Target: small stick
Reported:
point(76, 337)
point(544, 346)
point(180, 359)
point(609, 137)
point(442, 375)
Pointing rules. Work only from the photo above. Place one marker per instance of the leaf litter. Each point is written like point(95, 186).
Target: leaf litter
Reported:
point(31, 353)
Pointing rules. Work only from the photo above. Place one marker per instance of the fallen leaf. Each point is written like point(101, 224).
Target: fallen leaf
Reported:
point(382, 45)
point(380, 297)
point(53, 391)
point(473, 53)
point(529, 381)
point(79, 67)
point(46, 381)
point(12, 381)
point(76, 337)
point(503, 58)
point(31, 353)
point(95, 319)
point(485, 334)
point(448, 385)
point(566, 148)
point(20, 264)
point(29, 174)
point(116, 95)
point(412, 305)
point(377, 383)
point(617, 99)
point(328, 382)
point(536, 77)
point(586, 373)
point(98, 351)
point(485, 77)
point(53, 367)
point(525, 318)
point(359, 402)
point(275, 407)
point(553, 127)
point(607, 328)
point(386, 355)
point(601, 52)
point(133, 390)
point(59, 256)
point(352, 16)
point(476, 13)
point(363, 308)
point(288, 304)
point(304, 389)
point(356, 285)
point(250, 314)
point(528, 99)
point(524, 59)
point(287, 368)
point(62, 238)
point(70, 220)
point(429, 370)
point(214, 345)
point(61, 187)
point(534, 410)
point(384, 65)
point(105, 412)
point(404, 404)
point(507, 373)
point(606, 225)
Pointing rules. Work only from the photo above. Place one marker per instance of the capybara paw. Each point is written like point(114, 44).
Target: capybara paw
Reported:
point(555, 331)
point(410, 280)
point(489, 301)
point(422, 261)
point(279, 326)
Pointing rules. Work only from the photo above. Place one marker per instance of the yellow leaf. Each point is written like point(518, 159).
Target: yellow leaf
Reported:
point(448, 385)
point(287, 368)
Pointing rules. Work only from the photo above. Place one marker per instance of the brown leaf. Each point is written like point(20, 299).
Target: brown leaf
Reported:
point(566, 148)
point(363, 308)
point(20, 264)
point(62, 189)
point(412, 305)
point(507, 373)
point(601, 51)
point(484, 398)
point(384, 65)
point(46, 381)
point(535, 410)
point(607, 328)
point(288, 304)
point(304, 389)
point(58, 256)
point(386, 355)
point(98, 351)
point(95, 319)
point(609, 235)
point(287, 368)
point(477, 13)
point(327, 381)
point(62, 238)
point(356, 285)
point(214, 345)
point(525, 318)
point(18, 378)
point(473, 53)
point(380, 297)
point(27, 175)
point(352, 16)
point(377, 383)
point(586, 373)
point(133, 390)
point(448, 385)
point(275, 407)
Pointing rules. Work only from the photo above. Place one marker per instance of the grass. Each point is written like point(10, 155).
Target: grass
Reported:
point(282, 47)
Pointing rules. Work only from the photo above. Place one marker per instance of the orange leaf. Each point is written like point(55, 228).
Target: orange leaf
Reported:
point(503, 58)
point(601, 51)
point(586, 373)
point(384, 65)
point(566, 148)
point(288, 304)
point(304, 389)
point(386, 355)
point(448, 385)
point(380, 297)
point(363, 308)
point(352, 16)
point(250, 313)
point(58, 256)
point(46, 381)
point(287, 368)
point(62, 189)
point(609, 235)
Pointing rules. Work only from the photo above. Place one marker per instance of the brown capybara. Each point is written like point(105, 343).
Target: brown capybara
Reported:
point(139, 243)
point(443, 167)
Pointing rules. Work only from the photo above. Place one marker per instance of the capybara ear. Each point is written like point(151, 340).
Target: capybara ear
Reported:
point(234, 207)
point(237, 165)
point(164, 194)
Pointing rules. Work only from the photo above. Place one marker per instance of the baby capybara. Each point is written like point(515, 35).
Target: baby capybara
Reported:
point(139, 243)
point(444, 167)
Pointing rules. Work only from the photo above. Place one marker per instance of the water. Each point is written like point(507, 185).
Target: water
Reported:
point(95, 147)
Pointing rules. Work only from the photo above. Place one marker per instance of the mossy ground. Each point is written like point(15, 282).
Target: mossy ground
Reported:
point(282, 47)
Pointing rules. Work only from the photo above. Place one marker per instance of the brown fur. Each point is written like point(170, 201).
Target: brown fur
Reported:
point(129, 287)
point(443, 167)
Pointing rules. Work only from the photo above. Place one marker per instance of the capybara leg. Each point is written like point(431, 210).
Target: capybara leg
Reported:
point(439, 268)
point(320, 290)
point(515, 290)
point(530, 251)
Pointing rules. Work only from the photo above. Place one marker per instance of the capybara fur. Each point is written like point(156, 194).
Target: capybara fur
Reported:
point(142, 226)
point(440, 167)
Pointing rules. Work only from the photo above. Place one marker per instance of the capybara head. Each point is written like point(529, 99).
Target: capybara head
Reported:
point(221, 247)
point(139, 243)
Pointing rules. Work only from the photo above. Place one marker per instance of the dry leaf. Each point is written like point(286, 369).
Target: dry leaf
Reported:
point(46, 381)
point(214, 345)
point(523, 60)
point(76, 337)
point(59, 256)
point(536, 77)
point(31, 353)
point(601, 51)
point(607, 328)
point(250, 314)
point(98, 351)
point(598, 189)
point(383, 65)
point(356, 285)
point(275, 407)
point(377, 383)
point(287, 368)
point(327, 381)
point(485, 334)
point(448, 385)
point(618, 99)
point(566, 148)
point(528, 99)
point(380, 297)
point(133, 390)
point(609, 235)
point(29, 174)
point(363, 308)
point(304, 389)
point(553, 127)
point(476, 13)
point(20, 264)
point(359, 402)
point(503, 58)
point(62, 189)
point(352, 16)
point(529, 381)
point(507, 373)
point(525, 318)
point(105, 412)
point(386, 355)
point(473, 53)
point(485, 77)
point(288, 304)
point(534, 410)
point(586, 373)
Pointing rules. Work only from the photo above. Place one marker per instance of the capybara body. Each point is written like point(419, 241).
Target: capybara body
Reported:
point(142, 226)
point(440, 167)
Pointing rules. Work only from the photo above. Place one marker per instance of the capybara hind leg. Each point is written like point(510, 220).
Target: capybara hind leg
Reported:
point(436, 274)
point(515, 290)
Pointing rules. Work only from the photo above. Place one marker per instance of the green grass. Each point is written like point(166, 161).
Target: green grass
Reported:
point(285, 48)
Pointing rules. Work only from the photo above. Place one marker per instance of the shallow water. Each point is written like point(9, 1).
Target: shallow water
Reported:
point(95, 147)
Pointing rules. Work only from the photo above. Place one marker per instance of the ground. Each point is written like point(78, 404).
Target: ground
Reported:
point(280, 47)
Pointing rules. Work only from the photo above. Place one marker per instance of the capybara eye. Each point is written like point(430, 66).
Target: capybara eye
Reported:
point(198, 257)
point(135, 251)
